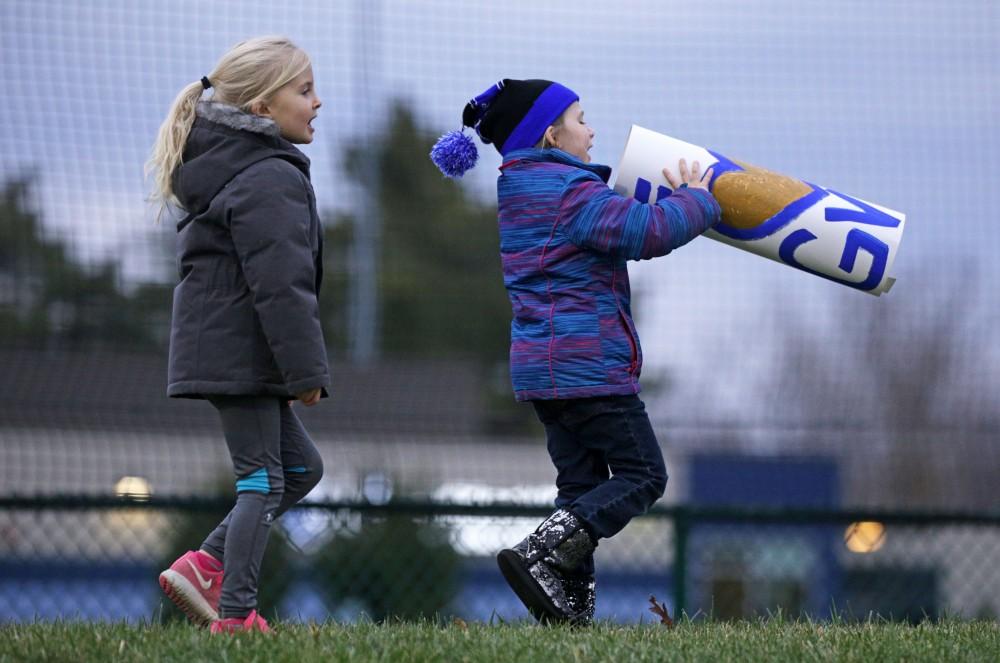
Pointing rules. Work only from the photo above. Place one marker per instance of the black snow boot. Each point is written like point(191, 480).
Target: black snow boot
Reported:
point(538, 569)
point(582, 596)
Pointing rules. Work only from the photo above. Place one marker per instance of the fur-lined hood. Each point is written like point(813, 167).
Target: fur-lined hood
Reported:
point(223, 142)
point(234, 118)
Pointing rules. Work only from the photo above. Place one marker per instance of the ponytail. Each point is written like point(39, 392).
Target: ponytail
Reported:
point(169, 145)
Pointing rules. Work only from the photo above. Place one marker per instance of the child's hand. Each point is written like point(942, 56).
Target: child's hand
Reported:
point(690, 179)
point(310, 397)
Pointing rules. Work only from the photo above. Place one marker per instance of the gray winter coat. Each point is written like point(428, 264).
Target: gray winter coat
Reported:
point(245, 313)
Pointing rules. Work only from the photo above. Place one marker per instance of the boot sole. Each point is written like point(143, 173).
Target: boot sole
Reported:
point(527, 589)
point(184, 595)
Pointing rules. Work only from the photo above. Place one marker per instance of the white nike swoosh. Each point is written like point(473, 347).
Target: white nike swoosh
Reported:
point(205, 584)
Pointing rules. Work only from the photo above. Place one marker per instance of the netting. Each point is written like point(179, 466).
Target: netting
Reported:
point(751, 369)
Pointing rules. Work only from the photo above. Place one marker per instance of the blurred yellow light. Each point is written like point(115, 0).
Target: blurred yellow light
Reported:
point(864, 537)
point(136, 488)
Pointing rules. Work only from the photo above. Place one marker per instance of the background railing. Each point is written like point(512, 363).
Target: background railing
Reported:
point(97, 558)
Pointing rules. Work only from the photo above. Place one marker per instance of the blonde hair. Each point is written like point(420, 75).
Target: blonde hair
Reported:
point(544, 143)
point(251, 72)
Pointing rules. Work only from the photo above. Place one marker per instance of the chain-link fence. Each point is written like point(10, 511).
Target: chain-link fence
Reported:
point(80, 558)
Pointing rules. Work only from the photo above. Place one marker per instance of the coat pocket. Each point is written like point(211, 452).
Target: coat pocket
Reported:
point(185, 332)
point(227, 337)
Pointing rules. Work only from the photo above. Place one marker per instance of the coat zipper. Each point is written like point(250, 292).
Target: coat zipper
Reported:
point(624, 320)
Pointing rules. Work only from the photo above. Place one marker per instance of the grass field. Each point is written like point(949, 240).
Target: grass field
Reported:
point(774, 640)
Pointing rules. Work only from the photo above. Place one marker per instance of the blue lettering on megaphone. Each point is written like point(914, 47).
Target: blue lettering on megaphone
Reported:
point(643, 187)
point(857, 240)
point(867, 214)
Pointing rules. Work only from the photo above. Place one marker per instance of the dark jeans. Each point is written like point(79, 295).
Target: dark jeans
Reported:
point(608, 462)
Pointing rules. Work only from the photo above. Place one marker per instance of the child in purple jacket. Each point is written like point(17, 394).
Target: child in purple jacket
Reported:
point(565, 239)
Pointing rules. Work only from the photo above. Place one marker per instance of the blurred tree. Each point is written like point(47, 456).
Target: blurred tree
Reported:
point(440, 282)
point(333, 297)
point(49, 300)
point(916, 372)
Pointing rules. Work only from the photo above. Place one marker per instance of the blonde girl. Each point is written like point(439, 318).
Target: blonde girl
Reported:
point(245, 332)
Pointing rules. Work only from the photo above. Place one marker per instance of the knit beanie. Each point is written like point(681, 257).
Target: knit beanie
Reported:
point(512, 115)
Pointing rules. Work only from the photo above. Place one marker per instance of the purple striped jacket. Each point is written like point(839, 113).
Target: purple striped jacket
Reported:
point(565, 237)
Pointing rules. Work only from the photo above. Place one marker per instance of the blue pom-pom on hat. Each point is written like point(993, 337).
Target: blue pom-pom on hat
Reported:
point(454, 153)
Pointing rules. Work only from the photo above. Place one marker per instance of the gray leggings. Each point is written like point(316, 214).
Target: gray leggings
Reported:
point(276, 465)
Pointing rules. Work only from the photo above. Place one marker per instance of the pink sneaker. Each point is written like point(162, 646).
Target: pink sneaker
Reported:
point(252, 622)
point(194, 587)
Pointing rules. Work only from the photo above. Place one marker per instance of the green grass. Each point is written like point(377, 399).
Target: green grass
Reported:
point(766, 640)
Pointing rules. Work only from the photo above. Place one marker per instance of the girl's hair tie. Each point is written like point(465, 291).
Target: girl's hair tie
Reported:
point(205, 83)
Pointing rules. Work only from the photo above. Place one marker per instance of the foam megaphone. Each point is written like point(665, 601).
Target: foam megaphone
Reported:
point(812, 228)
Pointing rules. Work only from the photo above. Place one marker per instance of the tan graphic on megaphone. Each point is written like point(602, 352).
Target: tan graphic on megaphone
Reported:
point(751, 196)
